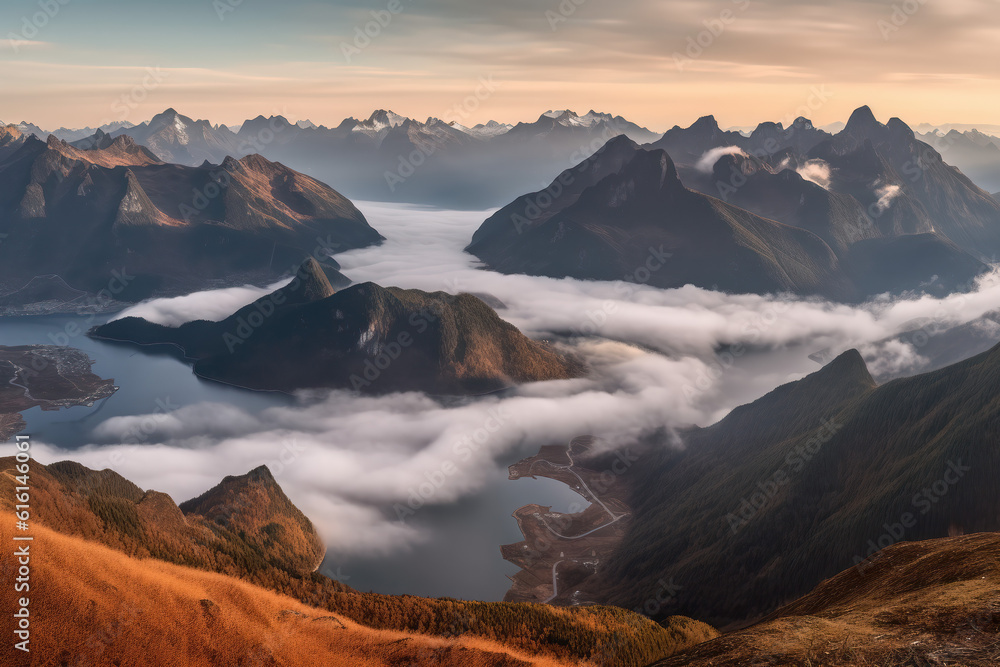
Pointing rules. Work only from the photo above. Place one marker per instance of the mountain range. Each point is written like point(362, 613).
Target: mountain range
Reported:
point(819, 475)
point(365, 337)
point(975, 153)
point(111, 220)
point(624, 214)
point(848, 216)
point(389, 157)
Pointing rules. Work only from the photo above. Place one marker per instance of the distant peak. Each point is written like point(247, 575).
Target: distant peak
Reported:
point(386, 117)
point(862, 117)
point(768, 126)
point(558, 113)
point(705, 123)
point(620, 141)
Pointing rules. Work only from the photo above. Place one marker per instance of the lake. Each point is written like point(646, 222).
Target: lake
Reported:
point(459, 556)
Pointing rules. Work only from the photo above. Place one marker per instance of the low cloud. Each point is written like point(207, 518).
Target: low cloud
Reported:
point(886, 194)
point(707, 161)
point(660, 359)
point(213, 305)
point(817, 171)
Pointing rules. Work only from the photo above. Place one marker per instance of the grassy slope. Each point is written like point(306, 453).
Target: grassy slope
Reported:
point(104, 507)
point(931, 602)
point(114, 609)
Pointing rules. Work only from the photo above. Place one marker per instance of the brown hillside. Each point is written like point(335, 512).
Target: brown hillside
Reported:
point(245, 527)
point(935, 602)
point(92, 605)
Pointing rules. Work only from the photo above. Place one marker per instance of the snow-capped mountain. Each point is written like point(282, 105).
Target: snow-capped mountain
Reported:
point(379, 124)
point(483, 130)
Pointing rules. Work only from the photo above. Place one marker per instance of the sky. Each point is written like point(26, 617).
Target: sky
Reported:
point(76, 63)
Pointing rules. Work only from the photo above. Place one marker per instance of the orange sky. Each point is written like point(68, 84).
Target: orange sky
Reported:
point(656, 63)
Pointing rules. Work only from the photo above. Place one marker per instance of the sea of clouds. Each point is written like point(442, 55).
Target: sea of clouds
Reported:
point(360, 466)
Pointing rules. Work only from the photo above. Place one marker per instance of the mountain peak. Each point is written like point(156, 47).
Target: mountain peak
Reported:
point(312, 281)
point(802, 123)
point(862, 117)
point(849, 367)
point(620, 142)
point(705, 123)
point(261, 473)
point(386, 117)
point(899, 127)
point(654, 168)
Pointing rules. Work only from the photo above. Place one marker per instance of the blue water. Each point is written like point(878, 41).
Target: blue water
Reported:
point(461, 556)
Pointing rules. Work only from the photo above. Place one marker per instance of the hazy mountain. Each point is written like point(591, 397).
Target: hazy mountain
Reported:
point(906, 185)
point(812, 478)
point(484, 130)
point(72, 135)
point(903, 185)
point(389, 157)
point(178, 139)
point(30, 128)
point(988, 128)
point(623, 214)
point(975, 153)
point(364, 337)
point(592, 123)
point(117, 219)
point(688, 145)
point(921, 603)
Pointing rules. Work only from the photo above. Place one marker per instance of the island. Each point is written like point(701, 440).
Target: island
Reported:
point(47, 376)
